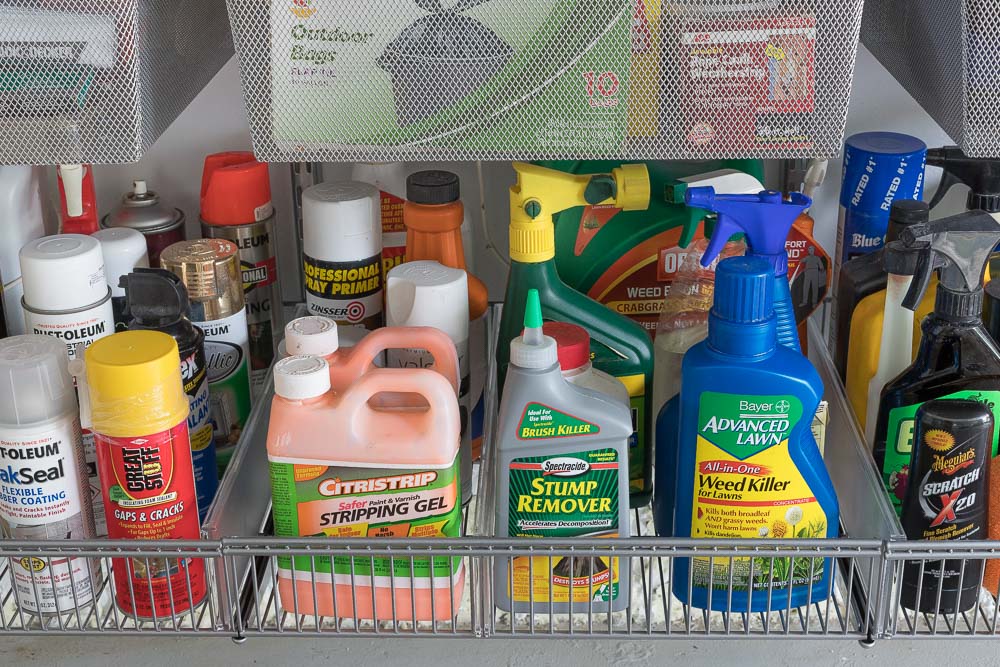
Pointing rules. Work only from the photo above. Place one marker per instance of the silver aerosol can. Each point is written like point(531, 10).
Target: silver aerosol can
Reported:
point(66, 295)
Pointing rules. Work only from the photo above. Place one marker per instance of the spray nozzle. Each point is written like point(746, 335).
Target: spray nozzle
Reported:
point(730, 180)
point(154, 298)
point(959, 248)
point(981, 175)
point(765, 218)
point(533, 319)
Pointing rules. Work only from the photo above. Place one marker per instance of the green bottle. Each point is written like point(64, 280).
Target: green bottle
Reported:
point(619, 346)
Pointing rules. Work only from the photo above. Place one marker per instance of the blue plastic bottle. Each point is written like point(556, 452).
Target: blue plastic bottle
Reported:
point(765, 218)
point(747, 464)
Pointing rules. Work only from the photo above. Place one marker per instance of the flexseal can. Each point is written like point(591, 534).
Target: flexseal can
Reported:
point(44, 491)
point(139, 413)
point(342, 252)
point(210, 270)
point(236, 205)
point(66, 296)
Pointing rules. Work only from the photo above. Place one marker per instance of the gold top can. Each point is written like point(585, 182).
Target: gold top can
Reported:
point(210, 269)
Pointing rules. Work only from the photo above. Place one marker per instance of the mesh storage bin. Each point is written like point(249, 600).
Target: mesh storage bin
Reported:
point(947, 56)
point(99, 80)
point(332, 80)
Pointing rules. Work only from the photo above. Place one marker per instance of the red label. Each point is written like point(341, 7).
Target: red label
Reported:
point(392, 213)
point(260, 274)
point(148, 488)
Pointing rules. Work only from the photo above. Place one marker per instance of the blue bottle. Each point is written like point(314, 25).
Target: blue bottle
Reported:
point(747, 464)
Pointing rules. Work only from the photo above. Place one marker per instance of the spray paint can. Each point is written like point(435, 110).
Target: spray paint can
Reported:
point(342, 252)
point(44, 492)
point(66, 295)
point(142, 210)
point(210, 270)
point(158, 301)
point(236, 205)
point(124, 250)
point(138, 412)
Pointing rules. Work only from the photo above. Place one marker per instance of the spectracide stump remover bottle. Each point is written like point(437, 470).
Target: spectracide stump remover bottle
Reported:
point(560, 473)
point(618, 345)
point(389, 473)
point(747, 465)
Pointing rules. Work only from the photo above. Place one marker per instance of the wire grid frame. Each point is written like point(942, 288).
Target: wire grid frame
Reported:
point(947, 56)
point(98, 81)
point(332, 80)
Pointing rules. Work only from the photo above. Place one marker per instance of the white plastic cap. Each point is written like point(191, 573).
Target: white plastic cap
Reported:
point(314, 334)
point(72, 181)
point(124, 249)
point(525, 355)
point(341, 221)
point(63, 272)
point(301, 377)
point(428, 294)
point(139, 188)
point(35, 384)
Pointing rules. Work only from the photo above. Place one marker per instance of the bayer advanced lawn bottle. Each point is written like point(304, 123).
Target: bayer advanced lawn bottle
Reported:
point(747, 464)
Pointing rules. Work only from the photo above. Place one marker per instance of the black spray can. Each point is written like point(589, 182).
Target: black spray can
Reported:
point(947, 499)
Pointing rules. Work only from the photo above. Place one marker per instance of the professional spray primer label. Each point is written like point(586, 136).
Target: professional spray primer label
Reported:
point(564, 496)
point(149, 494)
point(227, 360)
point(327, 498)
point(206, 476)
point(899, 441)
point(44, 495)
point(349, 292)
point(747, 486)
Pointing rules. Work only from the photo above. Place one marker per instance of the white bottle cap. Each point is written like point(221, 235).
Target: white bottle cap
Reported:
point(301, 377)
point(428, 294)
point(314, 334)
point(35, 384)
point(124, 249)
point(72, 180)
point(543, 355)
point(341, 221)
point(63, 272)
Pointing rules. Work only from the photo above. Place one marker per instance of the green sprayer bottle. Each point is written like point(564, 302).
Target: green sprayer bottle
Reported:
point(618, 345)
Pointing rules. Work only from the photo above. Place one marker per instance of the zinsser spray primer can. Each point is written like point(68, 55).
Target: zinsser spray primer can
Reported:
point(44, 492)
point(138, 413)
point(236, 205)
point(342, 248)
point(66, 295)
point(210, 270)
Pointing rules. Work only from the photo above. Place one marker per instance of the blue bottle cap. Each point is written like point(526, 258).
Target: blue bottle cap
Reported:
point(744, 290)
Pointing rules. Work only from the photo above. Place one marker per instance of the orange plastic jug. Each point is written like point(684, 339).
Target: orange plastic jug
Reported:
point(388, 473)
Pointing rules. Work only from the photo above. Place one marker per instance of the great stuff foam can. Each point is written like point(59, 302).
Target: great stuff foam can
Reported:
point(66, 295)
point(44, 493)
point(138, 413)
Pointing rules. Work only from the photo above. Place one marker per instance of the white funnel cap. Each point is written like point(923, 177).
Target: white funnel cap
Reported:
point(72, 181)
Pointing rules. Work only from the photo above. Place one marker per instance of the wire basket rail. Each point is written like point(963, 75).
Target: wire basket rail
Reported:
point(332, 80)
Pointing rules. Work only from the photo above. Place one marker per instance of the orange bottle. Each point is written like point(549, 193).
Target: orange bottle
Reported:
point(433, 216)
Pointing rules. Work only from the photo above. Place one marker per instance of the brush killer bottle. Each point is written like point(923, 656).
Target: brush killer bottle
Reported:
point(957, 357)
point(560, 473)
point(748, 465)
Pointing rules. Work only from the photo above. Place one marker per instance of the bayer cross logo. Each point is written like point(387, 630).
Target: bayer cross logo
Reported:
point(782, 406)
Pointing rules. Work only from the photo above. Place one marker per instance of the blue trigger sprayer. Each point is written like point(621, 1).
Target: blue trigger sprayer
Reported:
point(765, 219)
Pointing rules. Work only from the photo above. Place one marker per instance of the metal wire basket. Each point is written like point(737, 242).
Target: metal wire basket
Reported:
point(330, 80)
point(98, 81)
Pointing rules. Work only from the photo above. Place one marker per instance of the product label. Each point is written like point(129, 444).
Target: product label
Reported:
point(393, 232)
point(74, 329)
point(949, 503)
point(349, 292)
point(206, 474)
point(226, 356)
point(564, 496)
point(149, 494)
point(637, 451)
point(327, 498)
point(899, 441)
point(44, 495)
point(809, 273)
point(540, 422)
point(746, 486)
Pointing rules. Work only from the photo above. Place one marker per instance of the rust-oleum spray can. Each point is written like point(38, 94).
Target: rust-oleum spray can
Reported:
point(236, 205)
point(138, 412)
point(66, 295)
point(947, 498)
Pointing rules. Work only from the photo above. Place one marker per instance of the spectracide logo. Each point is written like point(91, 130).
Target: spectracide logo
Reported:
point(564, 467)
point(302, 9)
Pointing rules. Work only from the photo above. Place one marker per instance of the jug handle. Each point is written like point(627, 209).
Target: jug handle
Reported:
point(437, 343)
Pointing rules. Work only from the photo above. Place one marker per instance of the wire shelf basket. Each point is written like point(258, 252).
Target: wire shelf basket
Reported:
point(946, 55)
point(97, 81)
point(332, 80)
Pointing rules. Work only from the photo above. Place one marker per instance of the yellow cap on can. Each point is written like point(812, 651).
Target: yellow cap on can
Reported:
point(134, 379)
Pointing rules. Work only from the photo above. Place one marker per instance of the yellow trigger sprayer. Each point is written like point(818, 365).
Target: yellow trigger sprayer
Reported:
point(618, 345)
